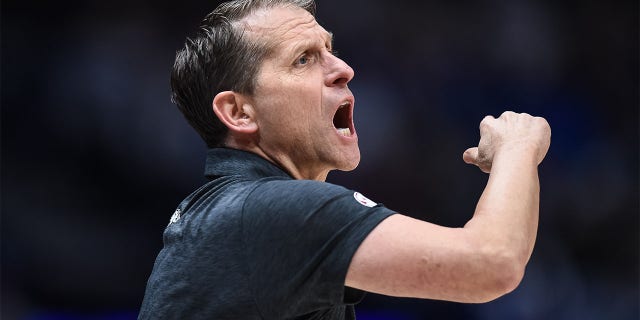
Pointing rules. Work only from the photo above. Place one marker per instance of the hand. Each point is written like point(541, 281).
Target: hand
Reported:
point(509, 132)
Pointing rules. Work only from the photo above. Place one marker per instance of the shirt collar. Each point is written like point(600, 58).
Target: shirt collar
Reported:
point(228, 162)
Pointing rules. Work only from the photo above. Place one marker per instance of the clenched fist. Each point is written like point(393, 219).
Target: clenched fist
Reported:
point(511, 132)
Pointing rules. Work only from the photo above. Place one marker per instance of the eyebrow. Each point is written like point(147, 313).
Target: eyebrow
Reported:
point(330, 34)
point(328, 38)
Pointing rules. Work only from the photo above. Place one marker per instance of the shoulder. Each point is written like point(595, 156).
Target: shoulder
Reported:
point(304, 202)
point(297, 190)
point(305, 195)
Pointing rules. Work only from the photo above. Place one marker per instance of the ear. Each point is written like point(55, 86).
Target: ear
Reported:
point(235, 111)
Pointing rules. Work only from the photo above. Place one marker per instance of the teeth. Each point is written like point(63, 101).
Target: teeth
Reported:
point(344, 104)
point(344, 132)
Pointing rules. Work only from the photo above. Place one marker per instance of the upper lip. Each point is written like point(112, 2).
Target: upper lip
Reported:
point(350, 101)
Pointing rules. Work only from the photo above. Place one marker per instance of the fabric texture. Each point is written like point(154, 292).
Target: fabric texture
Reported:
point(253, 243)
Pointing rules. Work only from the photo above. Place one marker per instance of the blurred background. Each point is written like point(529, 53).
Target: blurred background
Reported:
point(95, 158)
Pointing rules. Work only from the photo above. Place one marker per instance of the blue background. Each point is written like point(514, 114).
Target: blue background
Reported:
point(95, 157)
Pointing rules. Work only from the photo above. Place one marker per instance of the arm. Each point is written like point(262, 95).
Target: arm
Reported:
point(486, 258)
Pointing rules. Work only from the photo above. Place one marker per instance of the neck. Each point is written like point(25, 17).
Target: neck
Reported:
point(284, 161)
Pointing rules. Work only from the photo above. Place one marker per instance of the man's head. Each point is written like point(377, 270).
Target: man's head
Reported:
point(261, 76)
point(219, 58)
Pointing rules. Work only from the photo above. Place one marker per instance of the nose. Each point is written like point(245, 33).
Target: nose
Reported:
point(339, 73)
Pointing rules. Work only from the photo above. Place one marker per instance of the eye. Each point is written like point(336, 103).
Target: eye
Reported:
point(305, 59)
point(302, 60)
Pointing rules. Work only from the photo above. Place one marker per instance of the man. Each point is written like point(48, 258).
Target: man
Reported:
point(267, 238)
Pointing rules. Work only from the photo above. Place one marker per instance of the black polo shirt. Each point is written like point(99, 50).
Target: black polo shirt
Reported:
point(253, 243)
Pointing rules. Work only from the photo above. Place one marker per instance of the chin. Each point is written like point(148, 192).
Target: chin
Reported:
point(351, 162)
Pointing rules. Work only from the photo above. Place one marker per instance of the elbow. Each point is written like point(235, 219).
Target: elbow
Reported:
point(501, 284)
point(503, 274)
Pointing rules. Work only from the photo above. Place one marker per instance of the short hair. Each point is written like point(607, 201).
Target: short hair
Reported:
point(219, 57)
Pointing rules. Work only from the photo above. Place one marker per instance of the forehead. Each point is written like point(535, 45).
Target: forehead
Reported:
point(283, 25)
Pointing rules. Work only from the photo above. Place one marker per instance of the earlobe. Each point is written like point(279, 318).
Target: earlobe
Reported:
point(235, 111)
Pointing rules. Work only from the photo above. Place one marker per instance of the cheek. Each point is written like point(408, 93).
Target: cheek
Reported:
point(291, 103)
point(276, 115)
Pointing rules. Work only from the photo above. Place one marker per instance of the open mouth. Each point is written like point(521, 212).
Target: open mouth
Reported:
point(342, 120)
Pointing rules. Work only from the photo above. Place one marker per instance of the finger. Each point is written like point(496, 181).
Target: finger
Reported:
point(485, 124)
point(507, 114)
point(470, 156)
point(487, 119)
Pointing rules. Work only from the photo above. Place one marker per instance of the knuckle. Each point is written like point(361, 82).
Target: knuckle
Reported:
point(507, 114)
point(541, 121)
point(487, 118)
point(485, 121)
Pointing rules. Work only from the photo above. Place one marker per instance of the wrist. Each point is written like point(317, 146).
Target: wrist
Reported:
point(523, 153)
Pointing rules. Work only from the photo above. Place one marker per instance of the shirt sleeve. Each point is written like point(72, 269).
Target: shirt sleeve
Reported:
point(299, 239)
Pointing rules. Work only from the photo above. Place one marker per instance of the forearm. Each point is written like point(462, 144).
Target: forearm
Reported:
point(506, 217)
point(477, 263)
point(485, 259)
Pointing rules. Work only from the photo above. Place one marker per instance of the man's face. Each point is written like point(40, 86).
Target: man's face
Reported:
point(304, 109)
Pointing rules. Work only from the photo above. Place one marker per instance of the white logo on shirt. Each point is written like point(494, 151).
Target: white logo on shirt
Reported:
point(364, 200)
point(176, 216)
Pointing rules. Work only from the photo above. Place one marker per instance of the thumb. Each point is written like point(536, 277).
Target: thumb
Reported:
point(470, 156)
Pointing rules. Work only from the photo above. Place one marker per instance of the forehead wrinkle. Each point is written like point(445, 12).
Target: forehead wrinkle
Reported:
point(314, 37)
point(259, 26)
